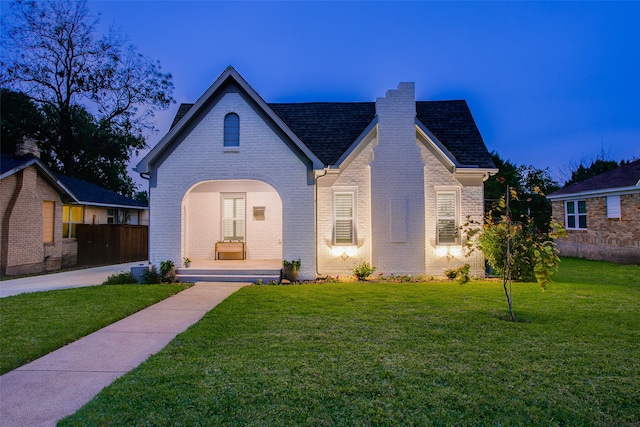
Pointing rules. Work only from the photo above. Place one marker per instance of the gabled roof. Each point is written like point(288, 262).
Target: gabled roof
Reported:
point(71, 189)
point(329, 128)
point(452, 123)
point(230, 75)
point(91, 194)
point(325, 131)
point(10, 164)
point(623, 177)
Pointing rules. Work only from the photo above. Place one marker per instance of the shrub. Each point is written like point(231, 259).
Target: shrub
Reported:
point(121, 278)
point(363, 270)
point(167, 273)
point(293, 263)
point(151, 276)
point(460, 273)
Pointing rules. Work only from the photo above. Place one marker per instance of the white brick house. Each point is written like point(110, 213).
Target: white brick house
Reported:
point(334, 184)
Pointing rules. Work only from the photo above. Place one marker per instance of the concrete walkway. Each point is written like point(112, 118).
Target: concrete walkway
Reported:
point(67, 279)
point(58, 384)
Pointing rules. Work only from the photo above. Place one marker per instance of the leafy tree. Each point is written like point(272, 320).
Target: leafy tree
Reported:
point(20, 118)
point(52, 54)
point(529, 182)
point(142, 196)
point(515, 250)
point(508, 174)
point(596, 167)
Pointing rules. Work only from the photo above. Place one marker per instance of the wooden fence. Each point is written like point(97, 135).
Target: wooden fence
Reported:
point(112, 243)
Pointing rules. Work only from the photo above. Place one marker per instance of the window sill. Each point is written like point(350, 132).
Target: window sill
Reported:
point(231, 150)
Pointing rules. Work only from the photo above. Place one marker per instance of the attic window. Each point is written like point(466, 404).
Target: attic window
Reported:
point(231, 130)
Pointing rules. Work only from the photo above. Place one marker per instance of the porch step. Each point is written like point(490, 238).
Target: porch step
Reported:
point(227, 275)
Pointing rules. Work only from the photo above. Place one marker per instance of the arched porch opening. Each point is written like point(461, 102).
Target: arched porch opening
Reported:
point(243, 211)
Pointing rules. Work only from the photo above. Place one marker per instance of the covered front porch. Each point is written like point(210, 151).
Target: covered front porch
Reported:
point(237, 213)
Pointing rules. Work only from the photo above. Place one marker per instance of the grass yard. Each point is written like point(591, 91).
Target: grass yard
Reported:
point(439, 353)
point(34, 324)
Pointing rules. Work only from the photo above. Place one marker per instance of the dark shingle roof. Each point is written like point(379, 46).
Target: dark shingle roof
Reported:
point(83, 191)
point(623, 176)
point(89, 193)
point(9, 162)
point(329, 128)
point(452, 123)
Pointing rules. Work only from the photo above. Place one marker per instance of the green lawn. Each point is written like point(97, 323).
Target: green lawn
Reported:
point(423, 354)
point(34, 324)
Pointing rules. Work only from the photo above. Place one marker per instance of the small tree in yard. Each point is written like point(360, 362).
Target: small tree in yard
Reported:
point(516, 250)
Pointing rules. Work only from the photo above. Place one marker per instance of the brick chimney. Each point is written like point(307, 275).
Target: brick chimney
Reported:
point(397, 186)
point(27, 146)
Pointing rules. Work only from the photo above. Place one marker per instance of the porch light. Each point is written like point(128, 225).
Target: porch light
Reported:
point(448, 251)
point(344, 251)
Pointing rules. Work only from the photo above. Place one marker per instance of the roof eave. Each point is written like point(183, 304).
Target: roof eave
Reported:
point(441, 152)
point(111, 205)
point(595, 193)
point(355, 148)
point(60, 188)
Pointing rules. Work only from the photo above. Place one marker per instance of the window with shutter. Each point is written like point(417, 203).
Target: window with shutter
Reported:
point(447, 218)
point(233, 218)
point(613, 206)
point(343, 206)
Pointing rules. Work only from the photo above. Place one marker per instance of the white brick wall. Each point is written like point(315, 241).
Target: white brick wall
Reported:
point(263, 155)
point(356, 175)
point(471, 202)
point(397, 196)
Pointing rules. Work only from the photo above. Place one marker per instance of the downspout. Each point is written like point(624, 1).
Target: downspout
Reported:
point(315, 204)
point(6, 220)
point(147, 177)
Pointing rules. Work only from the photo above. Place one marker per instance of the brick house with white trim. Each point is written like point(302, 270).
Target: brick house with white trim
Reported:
point(39, 211)
point(601, 215)
point(332, 183)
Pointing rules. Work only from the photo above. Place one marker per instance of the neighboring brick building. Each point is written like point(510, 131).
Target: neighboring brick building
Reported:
point(39, 211)
point(602, 216)
point(388, 182)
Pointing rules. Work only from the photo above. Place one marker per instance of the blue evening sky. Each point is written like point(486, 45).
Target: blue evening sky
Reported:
point(549, 83)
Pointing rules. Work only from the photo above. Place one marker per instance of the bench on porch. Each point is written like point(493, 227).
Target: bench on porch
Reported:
point(233, 249)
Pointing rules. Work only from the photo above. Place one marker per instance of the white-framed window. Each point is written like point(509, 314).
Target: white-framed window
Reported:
point(112, 216)
point(447, 218)
point(613, 207)
point(576, 215)
point(344, 217)
point(71, 216)
point(232, 130)
point(233, 217)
